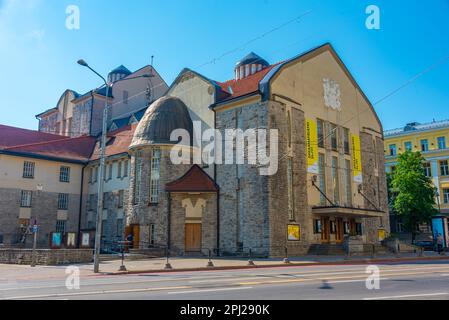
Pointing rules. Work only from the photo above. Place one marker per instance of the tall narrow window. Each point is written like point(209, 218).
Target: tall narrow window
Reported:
point(155, 176)
point(320, 130)
point(120, 229)
point(441, 143)
point(61, 226)
point(137, 177)
point(408, 146)
point(121, 198)
point(125, 97)
point(446, 196)
point(427, 169)
point(346, 140)
point(348, 182)
point(291, 213)
point(91, 175)
point(63, 201)
point(424, 145)
point(64, 174)
point(91, 202)
point(119, 169)
point(28, 170)
point(96, 174)
point(444, 168)
point(335, 180)
point(111, 168)
point(322, 178)
point(393, 151)
point(125, 168)
point(152, 235)
point(333, 131)
point(26, 198)
point(289, 128)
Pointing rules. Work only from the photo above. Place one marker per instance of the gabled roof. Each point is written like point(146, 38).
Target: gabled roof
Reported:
point(118, 142)
point(417, 127)
point(195, 180)
point(11, 136)
point(121, 70)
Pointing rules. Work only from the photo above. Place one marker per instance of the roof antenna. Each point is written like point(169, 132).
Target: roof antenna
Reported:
point(152, 60)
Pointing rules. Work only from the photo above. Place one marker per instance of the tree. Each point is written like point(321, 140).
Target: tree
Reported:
point(415, 196)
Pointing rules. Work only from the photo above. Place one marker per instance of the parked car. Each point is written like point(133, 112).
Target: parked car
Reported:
point(427, 245)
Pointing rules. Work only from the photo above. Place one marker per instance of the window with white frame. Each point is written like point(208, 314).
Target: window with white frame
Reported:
point(91, 202)
point(111, 168)
point(152, 235)
point(63, 201)
point(64, 174)
point(320, 130)
point(333, 131)
point(125, 168)
point(137, 177)
point(91, 175)
point(446, 196)
point(335, 180)
point(348, 182)
point(427, 169)
point(291, 213)
point(393, 150)
point(346, 141)
point(322, 178)
point(28, 170)
point(26, 199)
point(120, 229)
point(155, 176)
point(121, 198)
point(119, 169)
point(96, 174)
point(424, 145)
point(408, 146)
point(61, 226)
point(444, 168)
point(441, 143)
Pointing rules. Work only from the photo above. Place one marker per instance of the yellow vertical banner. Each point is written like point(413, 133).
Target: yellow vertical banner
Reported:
point(312, 146)
point(357, 159)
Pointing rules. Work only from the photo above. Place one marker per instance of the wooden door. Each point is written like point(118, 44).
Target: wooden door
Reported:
point(193, 237)
point(352, 227)
point(325, 230)
point(136, 235)
point(339, 232)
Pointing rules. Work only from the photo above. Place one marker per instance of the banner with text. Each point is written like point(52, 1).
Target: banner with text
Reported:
point(357, 159)
point(312, 146)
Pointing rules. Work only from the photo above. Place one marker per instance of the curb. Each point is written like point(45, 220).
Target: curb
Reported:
point(281, 265)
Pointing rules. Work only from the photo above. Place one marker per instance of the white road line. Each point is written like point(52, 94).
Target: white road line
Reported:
point(210, 290)
point(410, 296)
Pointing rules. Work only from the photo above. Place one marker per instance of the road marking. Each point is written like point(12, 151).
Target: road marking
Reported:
point(410, 296)
point(210, 290)
point(88, 293)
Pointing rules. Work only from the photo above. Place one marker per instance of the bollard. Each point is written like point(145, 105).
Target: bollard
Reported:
point(397, 252)
point(210, 264)
point(250, 261)
point(168, 265)
point(286, 259)
point(122, 266)
point(373, 252)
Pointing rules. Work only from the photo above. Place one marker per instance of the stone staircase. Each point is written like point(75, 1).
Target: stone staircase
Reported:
point(326, 250)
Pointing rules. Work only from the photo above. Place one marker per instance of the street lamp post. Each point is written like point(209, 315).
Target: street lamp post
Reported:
point(99, 222)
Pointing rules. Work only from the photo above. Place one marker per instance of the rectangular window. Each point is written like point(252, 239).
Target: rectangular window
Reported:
point(335, 180)
point(121, 198)
point(96, 174)
point(346, 227)
point(119, 169)
point(152, 235)
point(333, 132)
point(348, 182)
point(346, 141)
point(125, 97)
point(441, 143)
point(64, 174)
point(424, 145)
point(444, 168)
point(393, 151)
point(358, 229)
point(317, 228)
point(105, 198)
point(61, 226)
point(91, 175)
point(1, 239)
point(137, 177)
point(155, 176)
point(125, 169)
point(446, 196)
point(63, 201)
point(26, 199)
point(28, 170)
point(322, 178)
point(408, 146)
point(333, 227)
point(91, 202)
point(320, 129)
point(111, 168)
point(427, 169)
point(291, 214)
point(120, 229)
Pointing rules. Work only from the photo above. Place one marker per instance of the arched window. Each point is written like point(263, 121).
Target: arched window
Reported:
point(155, 176)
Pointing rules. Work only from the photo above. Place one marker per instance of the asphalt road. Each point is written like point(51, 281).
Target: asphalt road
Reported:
point(423, 280)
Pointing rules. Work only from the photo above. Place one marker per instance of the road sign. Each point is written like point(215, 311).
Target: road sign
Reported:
point(35, 229)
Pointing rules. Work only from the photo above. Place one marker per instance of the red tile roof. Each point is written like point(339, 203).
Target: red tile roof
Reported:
point(29, 142)
point(118, 142)
point(195, 180)
point(239, 88)
point(11, 136)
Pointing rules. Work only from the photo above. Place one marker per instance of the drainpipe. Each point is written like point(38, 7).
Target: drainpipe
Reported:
point(169, 220)
point(81, 207)
point(218, 195)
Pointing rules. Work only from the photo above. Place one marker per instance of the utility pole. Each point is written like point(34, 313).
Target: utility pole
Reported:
point(33, 259)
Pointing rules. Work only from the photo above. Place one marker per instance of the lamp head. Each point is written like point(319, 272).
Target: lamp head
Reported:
point(83, 63)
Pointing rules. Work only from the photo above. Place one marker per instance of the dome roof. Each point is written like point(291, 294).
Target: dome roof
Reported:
point(121, 70)
point(252, 58)
point(163, 117)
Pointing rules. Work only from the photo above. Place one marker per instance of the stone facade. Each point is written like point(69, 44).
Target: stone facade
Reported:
point(45, 257)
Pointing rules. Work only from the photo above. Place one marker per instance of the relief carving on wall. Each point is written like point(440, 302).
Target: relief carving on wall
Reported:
point(194, 211)
point(332, 94)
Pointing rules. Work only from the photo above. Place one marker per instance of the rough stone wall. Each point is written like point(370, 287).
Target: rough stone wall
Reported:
point(44, 209)
point(278, 185)
point(243, 200)
point(208, 221)
point(143, 213)
point(81, 119)
point(48, 124)
point(45, 257)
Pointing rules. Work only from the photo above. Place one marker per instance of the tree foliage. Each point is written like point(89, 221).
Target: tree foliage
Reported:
point(415, 195)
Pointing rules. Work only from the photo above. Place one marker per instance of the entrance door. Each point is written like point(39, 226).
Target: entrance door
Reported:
point(352, 227)
point(340, 232)
point(325, 230)
point(193, 237)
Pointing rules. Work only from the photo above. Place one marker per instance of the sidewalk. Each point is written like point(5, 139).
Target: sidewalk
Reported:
point(201, 264)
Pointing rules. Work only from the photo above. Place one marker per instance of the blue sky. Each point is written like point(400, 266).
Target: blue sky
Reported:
point(38, 54)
